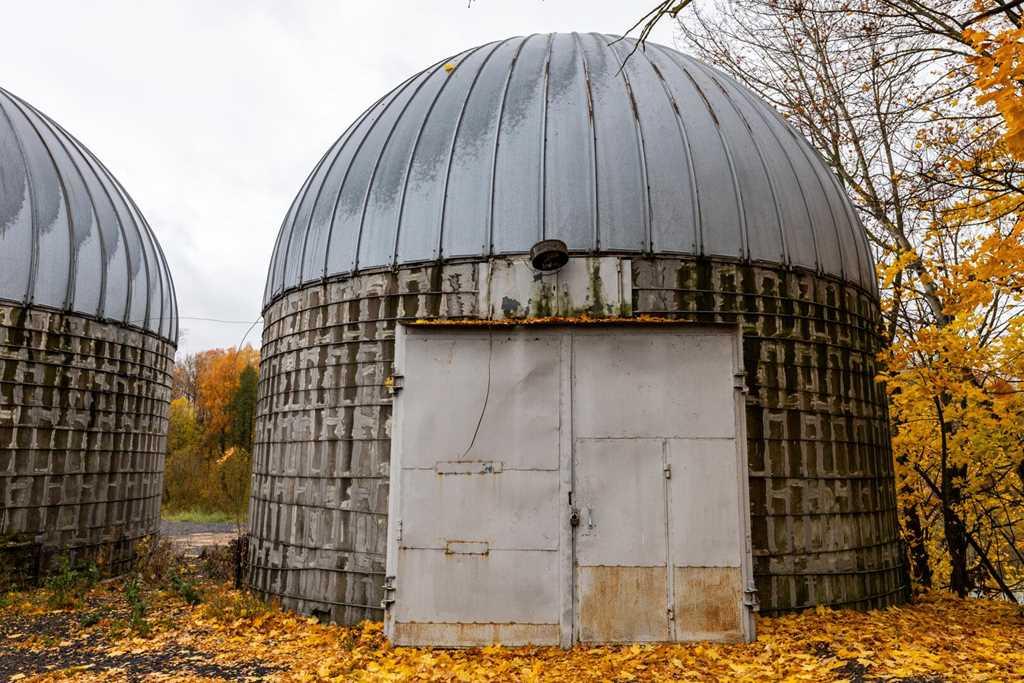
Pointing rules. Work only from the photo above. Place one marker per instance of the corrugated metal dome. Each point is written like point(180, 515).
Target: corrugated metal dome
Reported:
point(547, 137)
point(71, 238)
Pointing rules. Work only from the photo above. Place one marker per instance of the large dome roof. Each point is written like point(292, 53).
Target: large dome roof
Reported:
point(548, 137)
point(71, 238)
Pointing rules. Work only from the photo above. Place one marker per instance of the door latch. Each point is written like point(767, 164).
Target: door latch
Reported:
point(574, 517)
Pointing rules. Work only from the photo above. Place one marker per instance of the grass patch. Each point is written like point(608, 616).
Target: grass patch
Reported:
point(199, 516)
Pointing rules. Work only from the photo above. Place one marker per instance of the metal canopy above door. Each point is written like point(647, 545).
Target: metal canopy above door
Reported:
point(563, 484)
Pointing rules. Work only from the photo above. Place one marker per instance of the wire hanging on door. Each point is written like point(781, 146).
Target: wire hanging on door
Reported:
point(487, 391)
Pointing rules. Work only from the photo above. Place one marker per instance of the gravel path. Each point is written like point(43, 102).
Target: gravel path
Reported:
point(192, 537)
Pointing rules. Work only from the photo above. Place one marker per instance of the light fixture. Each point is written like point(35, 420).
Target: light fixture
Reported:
point(549, 255)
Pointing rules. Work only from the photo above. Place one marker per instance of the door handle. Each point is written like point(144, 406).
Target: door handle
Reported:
point(590, 517)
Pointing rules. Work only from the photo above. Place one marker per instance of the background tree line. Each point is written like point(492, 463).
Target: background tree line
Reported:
point(209, 439)
point(917, 106)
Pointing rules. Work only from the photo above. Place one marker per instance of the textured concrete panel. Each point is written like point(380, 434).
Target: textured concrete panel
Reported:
point(83, 432)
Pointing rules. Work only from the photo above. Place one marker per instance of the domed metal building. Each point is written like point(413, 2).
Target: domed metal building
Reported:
point(88, 329)
point(678, 193)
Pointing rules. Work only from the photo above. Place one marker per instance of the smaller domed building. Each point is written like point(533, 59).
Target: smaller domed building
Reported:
point(88, 330)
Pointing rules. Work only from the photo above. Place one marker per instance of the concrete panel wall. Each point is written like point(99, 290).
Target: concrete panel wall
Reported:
point(83, 432)
point(823, 509)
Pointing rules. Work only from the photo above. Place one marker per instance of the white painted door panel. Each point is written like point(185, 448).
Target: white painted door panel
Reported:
point(513, 509)
point(620, 493)
point(656, 383)
point(704, 504)
point(448, 381)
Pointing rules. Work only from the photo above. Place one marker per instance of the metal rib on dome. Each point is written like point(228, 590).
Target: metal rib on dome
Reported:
point(71, 238)
point(547, 137)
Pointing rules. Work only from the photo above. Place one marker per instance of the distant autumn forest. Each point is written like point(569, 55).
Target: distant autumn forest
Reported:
point(210, 435)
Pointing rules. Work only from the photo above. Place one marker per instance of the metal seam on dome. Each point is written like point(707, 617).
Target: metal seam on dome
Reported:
point(79, 147)
point(439, 245)
point(109, 186)
point(344, 180)
point(271, 274)
point(296, 206)
point(63, 140)
point(595, 187)
point(860, 236)
point(276, 284)
point(744, 236)
point(300, 274)
point(419, 135)
point(695, 204)
point(284, 236)
point(803, 194)
point(757, 149)
point(393, 94)
point(142, 247)
point(129, 279)
point(489, 246)
point(847, 227)
point(383, 149)
point(172, 314)
point(334, 151)
point(542, 197)
point(293, 226)
point(65, 198)
point(161, 264)
point(30, 186)
point(641, 143)
point(792, 168)
point(853, 226)
point(800, 143)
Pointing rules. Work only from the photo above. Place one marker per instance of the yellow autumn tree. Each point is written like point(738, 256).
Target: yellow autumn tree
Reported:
point(210, 433)
point(219, 378)
point(999, 60)
point(920, 120)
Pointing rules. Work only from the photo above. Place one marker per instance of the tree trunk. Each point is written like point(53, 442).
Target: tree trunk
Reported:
point(953, 526)
point(920, 566)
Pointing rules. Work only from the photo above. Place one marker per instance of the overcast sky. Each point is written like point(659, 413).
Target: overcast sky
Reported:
point(212, 112)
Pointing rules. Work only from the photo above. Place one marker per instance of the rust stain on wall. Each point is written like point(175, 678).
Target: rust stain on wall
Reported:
point(480, 634)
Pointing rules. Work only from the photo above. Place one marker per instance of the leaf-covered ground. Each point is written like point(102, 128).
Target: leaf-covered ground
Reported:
point(95, 634)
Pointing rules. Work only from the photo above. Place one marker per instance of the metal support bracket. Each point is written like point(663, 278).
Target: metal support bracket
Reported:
point(389, 592)
point(750, 598)
point(739, 381)
point(394, 383)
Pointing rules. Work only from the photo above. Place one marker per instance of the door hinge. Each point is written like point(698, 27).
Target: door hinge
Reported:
point(668, 471)
point(398, 531)
point(750, 598)
point(671, 613)
point(394, 383)
point(389, 592)
point(739, 381)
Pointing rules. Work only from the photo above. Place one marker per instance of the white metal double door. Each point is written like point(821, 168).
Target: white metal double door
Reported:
point(553, 485)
